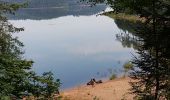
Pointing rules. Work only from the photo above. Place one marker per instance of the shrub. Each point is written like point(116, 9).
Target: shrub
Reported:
point(113, 76)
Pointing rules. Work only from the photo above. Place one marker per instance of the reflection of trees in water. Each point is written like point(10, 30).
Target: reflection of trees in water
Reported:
point(48, 13)
point(128, 40)
point(125, 36)
point(55, 12)
point(47, 9)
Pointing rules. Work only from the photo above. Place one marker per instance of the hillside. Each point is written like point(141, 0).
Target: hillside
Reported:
point(47, 9)
point(46, 3)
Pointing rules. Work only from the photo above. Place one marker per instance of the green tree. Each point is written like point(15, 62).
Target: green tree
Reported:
point(16, 76)
point(49, 84)
point(13, 67)
point(43, 86)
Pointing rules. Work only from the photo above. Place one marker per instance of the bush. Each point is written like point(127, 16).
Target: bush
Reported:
point(113, 76)
point(127, 67)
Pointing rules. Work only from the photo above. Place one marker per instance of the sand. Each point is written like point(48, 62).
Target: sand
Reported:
point(117, 89)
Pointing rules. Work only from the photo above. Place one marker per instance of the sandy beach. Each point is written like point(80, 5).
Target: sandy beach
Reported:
point(117, 89)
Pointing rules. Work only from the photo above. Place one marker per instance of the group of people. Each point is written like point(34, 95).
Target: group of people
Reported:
point(93, 82)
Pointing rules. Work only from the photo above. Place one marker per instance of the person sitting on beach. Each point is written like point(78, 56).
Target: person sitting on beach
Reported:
point(99, 81)
point(92, 82)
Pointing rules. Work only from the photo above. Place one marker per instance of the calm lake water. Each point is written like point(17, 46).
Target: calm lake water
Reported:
point(74, 48)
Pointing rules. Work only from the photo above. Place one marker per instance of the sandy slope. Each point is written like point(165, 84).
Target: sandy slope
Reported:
point(111, 90)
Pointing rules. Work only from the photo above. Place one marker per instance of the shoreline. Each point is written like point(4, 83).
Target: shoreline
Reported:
point(116, 89)
point(84, 84)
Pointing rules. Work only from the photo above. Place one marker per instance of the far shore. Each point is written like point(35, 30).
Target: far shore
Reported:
point(117, 89)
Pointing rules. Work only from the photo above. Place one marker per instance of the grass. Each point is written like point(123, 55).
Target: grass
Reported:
point(113, 76)
point(132, 18)
point(96, 98)
point(5, 98)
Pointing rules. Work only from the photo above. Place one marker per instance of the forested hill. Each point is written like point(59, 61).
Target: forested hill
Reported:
point(47, 9)
point(46, 3)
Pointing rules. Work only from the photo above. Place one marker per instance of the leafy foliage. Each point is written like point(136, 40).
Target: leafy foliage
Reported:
point(13, 66)
point(49, 85)
point(15, 71)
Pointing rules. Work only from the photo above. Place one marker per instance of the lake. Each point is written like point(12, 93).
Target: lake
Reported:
point(74, 48)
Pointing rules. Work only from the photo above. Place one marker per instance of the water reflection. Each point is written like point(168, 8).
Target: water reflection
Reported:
point(74, 48)
point(38, 13)
point(128, 35)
